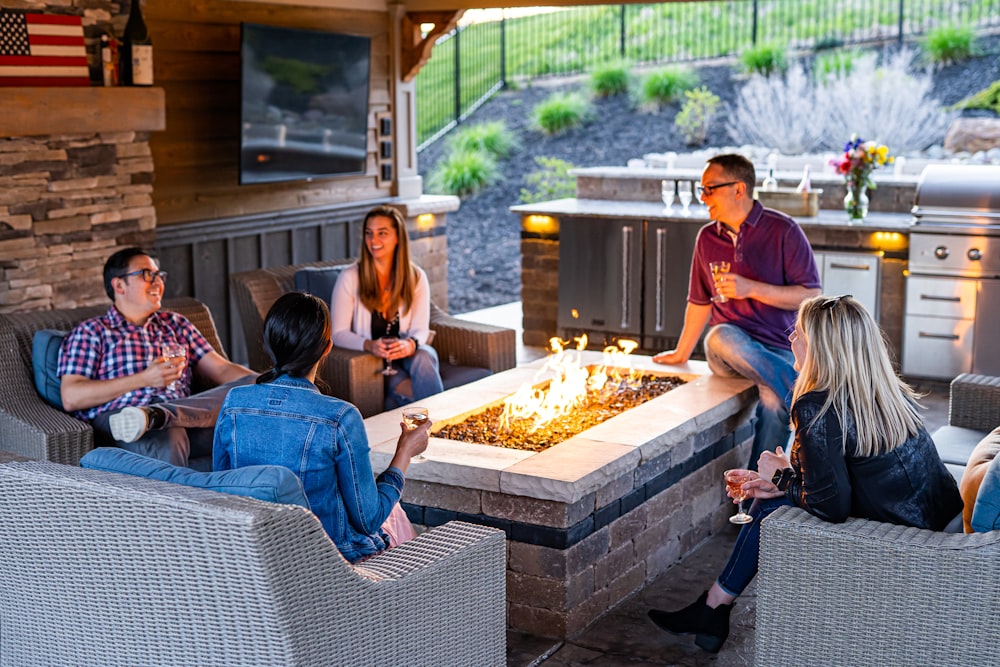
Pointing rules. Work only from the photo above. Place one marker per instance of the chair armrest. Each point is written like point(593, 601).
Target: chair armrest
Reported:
point(36, 430)
point(864, 592)
point(975, 402)
point(463, 343)
point(354, 377)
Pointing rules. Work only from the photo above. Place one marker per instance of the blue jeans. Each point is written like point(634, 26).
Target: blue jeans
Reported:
point(731, 352)
point(424, 373)
point(742, 565)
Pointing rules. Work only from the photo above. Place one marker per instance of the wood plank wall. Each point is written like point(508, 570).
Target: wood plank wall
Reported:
point(197, 62)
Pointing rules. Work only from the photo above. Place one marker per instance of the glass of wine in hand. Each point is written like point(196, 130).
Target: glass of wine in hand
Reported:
point(718, 268)
point(387, 368)
point(735, 479)
point(173, 352)
point(414, 416)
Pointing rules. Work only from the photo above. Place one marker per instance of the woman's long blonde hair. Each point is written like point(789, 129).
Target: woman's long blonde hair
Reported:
point(402, 276)
point(847, 357)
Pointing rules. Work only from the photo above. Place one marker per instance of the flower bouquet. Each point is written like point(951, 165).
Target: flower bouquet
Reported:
point(859, 160)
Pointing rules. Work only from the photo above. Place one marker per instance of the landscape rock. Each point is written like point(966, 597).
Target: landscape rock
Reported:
point(972, 135)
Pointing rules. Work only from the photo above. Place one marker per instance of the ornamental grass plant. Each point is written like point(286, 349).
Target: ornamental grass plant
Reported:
point(463, 172)
point(666, 86)
point(492, 137)
point(561, 111)
point(949, 44)
point(611, 78)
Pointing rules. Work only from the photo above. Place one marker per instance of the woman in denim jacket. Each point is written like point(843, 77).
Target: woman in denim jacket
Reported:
point(283, 419)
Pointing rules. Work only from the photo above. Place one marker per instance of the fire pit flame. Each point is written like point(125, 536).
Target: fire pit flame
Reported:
point(571, 384)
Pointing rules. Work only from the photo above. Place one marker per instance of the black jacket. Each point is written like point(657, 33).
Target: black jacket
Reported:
point(909, 486)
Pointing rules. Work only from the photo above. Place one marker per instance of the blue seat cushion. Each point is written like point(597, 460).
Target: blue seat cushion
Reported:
point(318, 280)
point(44, 361)
point(273, 483)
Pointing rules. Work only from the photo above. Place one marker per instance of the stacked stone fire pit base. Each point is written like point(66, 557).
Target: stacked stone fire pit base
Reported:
point(589, 521)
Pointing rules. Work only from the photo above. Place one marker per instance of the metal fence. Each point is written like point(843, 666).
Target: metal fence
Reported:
point(474, 61)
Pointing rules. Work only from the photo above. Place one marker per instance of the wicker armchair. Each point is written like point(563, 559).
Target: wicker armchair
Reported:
point(869, 593)
point(101, 569)
point(28, 425)
point(351, 375)
point(973, 411)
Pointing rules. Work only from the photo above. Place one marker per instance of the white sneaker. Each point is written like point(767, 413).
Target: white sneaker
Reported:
point(129, 424)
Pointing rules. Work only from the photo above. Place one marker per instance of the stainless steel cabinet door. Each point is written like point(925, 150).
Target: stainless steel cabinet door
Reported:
point(852, 273)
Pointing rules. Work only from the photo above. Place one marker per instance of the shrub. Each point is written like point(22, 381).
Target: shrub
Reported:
point(666, 85)
point(552, 181)
point(949, 44)
point(697, 114)
point(609, 79)
point(987, 98)
point(767, 59)
point(834, 63)
point(463, 172)
point(561, 111)
point(492, 137)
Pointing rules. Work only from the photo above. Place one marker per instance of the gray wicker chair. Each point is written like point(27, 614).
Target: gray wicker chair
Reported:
point(973, 411)
point(100, 569)
point(869, 593)
point(351, 375)
point(28, 425)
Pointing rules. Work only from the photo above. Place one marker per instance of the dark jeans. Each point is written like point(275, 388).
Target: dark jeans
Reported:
point(742, 565)
point(187, 435)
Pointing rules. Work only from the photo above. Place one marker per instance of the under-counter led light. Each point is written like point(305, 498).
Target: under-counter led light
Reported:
point(540, 224)
point(888, 240)
point(425, 221)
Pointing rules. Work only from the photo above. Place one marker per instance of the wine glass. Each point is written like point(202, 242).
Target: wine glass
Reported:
point(735, 479)
point(414, 416)
point(684, 194)
point(171, 352)
point(717, 269)
point(667, 188)
point(387, 368)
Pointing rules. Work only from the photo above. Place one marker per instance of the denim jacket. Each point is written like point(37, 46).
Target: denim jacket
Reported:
point(321, 439)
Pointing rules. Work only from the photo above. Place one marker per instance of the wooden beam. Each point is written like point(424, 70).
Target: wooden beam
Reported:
point(417, 46)
point(45, 111)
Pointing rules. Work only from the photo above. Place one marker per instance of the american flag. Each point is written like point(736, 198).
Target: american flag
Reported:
point(42, 50)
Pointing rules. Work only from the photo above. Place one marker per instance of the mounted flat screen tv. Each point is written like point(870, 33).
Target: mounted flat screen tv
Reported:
point(304, 104)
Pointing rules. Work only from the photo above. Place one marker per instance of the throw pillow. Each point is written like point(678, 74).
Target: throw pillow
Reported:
point(45, 360)
point(273, 483)
point(318, 280)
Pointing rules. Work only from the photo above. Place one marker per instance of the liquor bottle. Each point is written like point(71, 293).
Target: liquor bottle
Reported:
point(109, 59)
point(770, 183)
point(137, 50)
point(804, 185)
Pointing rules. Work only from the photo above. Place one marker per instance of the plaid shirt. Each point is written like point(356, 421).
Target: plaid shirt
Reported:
point(109, 347)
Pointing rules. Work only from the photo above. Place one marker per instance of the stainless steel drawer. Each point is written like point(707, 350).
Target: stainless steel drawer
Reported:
point(941, 297)
point(937, 347)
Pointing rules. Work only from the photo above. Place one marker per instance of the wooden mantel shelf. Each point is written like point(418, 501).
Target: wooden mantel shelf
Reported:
point(83, 110)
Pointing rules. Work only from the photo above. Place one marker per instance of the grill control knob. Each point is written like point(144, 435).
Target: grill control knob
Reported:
point(974, 254)
point(941, 252)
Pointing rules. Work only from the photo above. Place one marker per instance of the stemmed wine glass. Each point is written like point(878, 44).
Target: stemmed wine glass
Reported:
point(172, 351)
point(387, 368)
point(718, 268)
point(684, 194)
point(414, 416)
point(735, 479)
point(667, 188)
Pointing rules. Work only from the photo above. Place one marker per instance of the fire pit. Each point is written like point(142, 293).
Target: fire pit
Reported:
point(591, 519)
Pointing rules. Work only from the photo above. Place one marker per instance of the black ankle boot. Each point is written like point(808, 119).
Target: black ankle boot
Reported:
point(710, 626)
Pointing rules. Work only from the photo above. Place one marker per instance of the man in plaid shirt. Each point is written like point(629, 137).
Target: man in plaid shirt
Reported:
point(119, 373)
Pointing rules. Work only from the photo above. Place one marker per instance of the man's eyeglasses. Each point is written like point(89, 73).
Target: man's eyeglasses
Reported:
point(709, 189)
point(148, 275)
point(833, 301)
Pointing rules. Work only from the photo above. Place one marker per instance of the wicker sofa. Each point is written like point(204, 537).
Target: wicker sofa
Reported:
point(100, 569)
point(28, 425)
point(870, 593)
point(351, 375)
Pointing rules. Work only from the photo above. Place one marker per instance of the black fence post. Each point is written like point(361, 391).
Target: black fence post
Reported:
point(503, 51)
point(621, 40)
point(902, 4)
point(753, 25)
point(458, 76)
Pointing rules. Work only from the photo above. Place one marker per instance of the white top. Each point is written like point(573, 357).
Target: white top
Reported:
point(352, 321)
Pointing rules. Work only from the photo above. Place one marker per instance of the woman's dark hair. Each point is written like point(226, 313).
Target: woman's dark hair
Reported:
point(296, 335)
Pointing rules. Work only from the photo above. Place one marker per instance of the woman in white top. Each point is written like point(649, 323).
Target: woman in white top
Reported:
point(381, 304)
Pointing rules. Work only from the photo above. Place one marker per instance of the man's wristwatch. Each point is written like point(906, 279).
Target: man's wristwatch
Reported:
point(782, 478)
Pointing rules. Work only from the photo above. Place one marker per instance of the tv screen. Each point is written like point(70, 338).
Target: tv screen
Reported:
point(304, 104)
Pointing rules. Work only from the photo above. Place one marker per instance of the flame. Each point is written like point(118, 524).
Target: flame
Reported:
point(571, 383)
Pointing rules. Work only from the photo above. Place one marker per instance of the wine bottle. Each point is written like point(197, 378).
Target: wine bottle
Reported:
point(137, 50)
point(109, 59)
point(804, 185)
point(770, 183)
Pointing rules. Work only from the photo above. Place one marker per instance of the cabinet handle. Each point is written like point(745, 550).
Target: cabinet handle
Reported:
point(850, 267)
point(949, 299)
point(924, 334)
point(661, 251)
point(626, 274)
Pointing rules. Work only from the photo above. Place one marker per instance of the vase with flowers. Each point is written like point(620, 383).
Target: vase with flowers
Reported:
point(859, 160)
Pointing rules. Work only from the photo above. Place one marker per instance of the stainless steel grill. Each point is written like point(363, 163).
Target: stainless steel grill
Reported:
point(953, 291)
